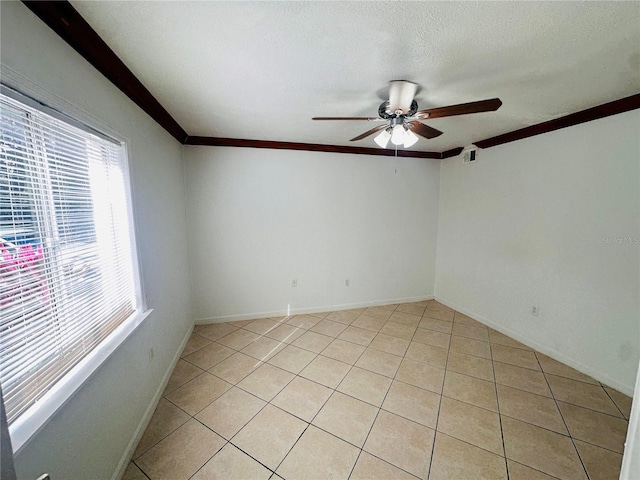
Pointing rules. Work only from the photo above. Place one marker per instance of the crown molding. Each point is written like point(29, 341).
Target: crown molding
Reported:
point(594, 113)
point(65, 20)
point(311, 147)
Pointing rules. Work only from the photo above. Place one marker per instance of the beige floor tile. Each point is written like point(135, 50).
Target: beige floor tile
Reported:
point(498, 338)
point(369, 467)
point(471, 424)
point(379, 362)
point(312, 341)
point(469, 331)
point(517, 471)
point(412, 308)
point(413, 403)
point(480, 393)
point(165, 420)
point(343, 316)
point(335, 462)
point(266, 381)
point(467, 320)
point(582, 394)
point(531, 408)
point(346, 352)
point(522, 378)
point(427, 354)
point(454, 459)
point(470, 365)
point(182, 453)
point(238, 339)
point(541, 449)
point(431, 337)
point(320, 315)
point(231, 464)
point(195, 342)
point(347, 418)
point(365, 385)
point(401, 442)
point(378, 312)
point(132, 472)
point(405, 318)
point(421, 375)
point(622, 401)
point(594, 427)
point(515, 356)
point(389, 344)
point(230, 412)
point(601, 464)
point(303, 321)
point(439, 312)
point(196, 394)
point(369, 323)
point(217, 330)
point(262, 325)
point(235, 368)
point(302, 398)
point(326, 371)
point(263, 348)
point(549, 365)
point(360, 336)
point(398, 330)
point(285, 333)
point(329, 328)
point(182, 373)
point(470, 346)
point(242, 323)
point(292, 359)
point(207, 356)
point(434, 324)
point(280, 428)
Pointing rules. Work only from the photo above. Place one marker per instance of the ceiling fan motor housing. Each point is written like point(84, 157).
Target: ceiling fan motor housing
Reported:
point(383, 111)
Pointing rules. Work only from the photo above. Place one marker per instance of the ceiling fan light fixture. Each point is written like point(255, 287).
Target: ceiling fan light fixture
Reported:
point(410, 139)
point(398, 135)
point(382, 139)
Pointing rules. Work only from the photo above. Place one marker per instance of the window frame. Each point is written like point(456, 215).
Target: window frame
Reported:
point(32, 420)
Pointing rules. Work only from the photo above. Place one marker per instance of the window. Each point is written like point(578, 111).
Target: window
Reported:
point(67, 276)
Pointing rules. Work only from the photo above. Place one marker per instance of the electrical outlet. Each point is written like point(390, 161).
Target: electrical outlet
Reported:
point(534, 310)
point(294, 283)
point(347, 282)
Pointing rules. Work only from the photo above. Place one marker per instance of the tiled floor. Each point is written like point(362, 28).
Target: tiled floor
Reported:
point(394, 392)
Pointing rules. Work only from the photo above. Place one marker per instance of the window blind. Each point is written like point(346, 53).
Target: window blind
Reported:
point(66, 264)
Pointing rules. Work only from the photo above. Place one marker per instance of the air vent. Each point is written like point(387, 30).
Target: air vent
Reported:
point(470, 154)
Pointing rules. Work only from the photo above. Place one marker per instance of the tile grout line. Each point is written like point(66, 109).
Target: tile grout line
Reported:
point(435, 429)
point(495, 386)
point(563, 420)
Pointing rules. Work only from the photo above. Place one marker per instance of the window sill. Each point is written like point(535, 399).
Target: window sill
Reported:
point(36, 417)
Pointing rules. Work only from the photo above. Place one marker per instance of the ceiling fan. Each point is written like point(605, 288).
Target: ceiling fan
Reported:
point(402, 119)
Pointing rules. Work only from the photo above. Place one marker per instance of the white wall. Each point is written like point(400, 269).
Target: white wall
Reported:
point(528, 225)
point(92, 432)
point(259, 218)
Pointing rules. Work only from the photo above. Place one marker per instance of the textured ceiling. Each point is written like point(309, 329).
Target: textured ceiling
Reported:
point(261, 70)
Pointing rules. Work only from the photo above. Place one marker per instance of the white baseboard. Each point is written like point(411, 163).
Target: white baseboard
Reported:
point(146, 418)
point(303, 310)
point(560, 357)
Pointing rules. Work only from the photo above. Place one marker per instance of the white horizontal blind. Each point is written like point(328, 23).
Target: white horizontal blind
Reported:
point(66, 273)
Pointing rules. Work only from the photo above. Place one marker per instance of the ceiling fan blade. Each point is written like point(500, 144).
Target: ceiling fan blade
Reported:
point(369, 132)
point(461, 109)
point(401, 93)
point(370, 119)
point(423, 130)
